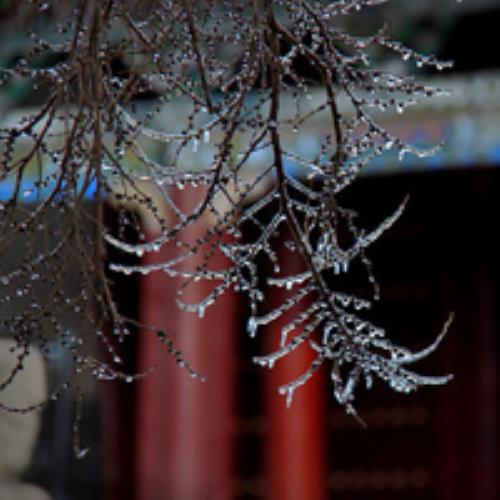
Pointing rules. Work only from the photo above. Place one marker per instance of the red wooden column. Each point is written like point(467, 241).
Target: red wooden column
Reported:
point(296, 455)
point(183, 430)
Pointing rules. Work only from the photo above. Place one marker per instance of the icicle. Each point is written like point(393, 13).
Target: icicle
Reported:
point(251, 327)
point(201, 311)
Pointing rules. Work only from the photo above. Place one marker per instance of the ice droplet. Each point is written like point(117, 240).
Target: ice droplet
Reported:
point(251, 326)
point(82, 453)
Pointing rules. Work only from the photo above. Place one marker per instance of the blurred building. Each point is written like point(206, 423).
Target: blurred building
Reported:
point(231, 437)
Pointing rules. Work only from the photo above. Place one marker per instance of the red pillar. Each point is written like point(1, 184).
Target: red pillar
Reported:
point(296, 455)
point(184, 430)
